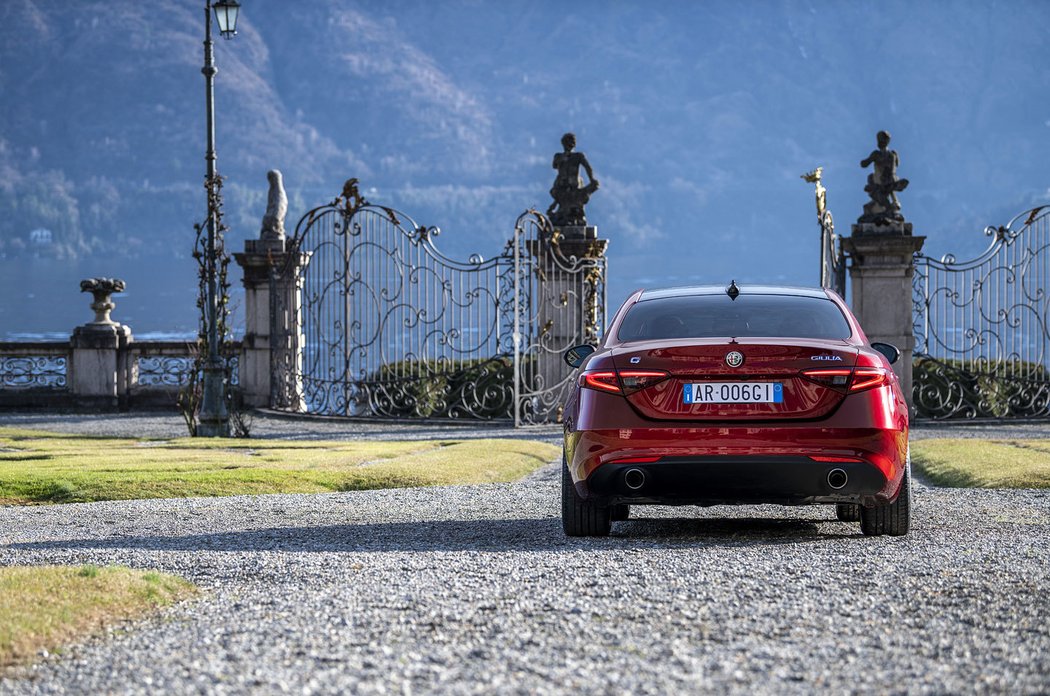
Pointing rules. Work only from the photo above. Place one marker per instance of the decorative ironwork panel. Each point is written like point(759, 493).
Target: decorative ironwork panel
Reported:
point(175, 370)
point(33, 372)
point(164, 371)
point(370, 319)
point(981, 333)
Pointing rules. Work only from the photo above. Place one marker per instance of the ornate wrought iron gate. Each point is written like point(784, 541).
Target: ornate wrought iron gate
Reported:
point(370, 320)
point(981, 327)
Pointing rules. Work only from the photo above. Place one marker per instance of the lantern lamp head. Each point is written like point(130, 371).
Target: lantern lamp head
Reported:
point(226, 16)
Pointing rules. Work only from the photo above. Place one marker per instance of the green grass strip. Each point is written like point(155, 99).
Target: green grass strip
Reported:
point(45, 607)
point(974, 463)
point(43, 467)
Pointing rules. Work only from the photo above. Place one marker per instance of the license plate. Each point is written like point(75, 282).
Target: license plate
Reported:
point(733, 393)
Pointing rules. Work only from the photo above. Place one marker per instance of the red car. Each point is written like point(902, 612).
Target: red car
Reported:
point(740, 395)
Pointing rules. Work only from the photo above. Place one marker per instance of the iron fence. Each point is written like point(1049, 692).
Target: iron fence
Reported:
point(981, 327)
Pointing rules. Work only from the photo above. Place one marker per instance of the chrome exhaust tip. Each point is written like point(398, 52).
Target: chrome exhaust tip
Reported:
point(634, 479)
point(837, 479)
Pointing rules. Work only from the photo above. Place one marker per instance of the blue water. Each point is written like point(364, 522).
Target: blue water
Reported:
point(40, 299)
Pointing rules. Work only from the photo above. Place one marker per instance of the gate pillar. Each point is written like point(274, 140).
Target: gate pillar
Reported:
point(881, 275)
point(570, 305)
point(264, 333)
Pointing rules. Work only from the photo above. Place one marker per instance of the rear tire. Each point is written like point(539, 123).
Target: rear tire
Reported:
point(581, 517)
point(847, 512)
point(620, 512)
point(892, 519)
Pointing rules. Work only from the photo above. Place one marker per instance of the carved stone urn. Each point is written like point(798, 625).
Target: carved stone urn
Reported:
point(101, 289)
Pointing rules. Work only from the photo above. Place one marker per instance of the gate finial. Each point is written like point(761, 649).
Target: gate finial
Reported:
point(821, 193)
point(352, 200)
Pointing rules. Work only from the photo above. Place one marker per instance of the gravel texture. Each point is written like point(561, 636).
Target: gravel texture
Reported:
point(476, 590)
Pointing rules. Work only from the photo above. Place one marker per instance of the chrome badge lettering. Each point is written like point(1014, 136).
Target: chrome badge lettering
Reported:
point(825, 357)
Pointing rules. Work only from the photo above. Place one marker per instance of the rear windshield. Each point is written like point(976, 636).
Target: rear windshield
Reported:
point(716, 316)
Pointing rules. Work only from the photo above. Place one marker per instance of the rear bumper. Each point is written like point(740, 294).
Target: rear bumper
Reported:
point(739, 464)
point(784, 480)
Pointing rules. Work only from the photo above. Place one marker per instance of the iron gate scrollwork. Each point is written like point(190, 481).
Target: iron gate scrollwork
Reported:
point(981, 327)
point(369, 319)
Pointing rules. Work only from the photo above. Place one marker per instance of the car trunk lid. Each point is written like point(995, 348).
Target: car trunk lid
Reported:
point(702, 364)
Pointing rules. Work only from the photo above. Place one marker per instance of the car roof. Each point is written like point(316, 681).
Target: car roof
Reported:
point(689, 290)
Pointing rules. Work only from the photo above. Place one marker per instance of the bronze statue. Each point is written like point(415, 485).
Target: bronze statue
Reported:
point(569, 192)
point(883, 184)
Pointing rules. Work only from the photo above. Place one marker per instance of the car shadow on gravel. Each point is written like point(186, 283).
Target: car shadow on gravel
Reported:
point(475, 535)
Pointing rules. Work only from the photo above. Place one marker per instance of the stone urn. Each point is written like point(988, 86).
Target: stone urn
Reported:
point(101, 289)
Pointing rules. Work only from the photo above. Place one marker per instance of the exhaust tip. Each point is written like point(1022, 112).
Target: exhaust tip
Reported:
point(634, 479)
point(837, 479)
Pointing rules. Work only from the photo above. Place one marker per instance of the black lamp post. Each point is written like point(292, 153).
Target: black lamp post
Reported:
point(214, 418)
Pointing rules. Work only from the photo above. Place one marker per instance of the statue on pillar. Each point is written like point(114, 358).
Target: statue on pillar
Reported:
point(883, 185)
point(569, 192)
point(276, 209)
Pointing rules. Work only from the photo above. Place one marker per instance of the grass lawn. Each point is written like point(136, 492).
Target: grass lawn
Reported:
point(43, 607)
point(42, 467)
point(972, 463)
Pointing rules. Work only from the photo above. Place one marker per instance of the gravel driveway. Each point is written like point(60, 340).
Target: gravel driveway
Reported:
point(476, 590)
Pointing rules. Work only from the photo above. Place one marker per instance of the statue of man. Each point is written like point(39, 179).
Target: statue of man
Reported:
point(276, 208)
point(569, 192)
point(883, 183)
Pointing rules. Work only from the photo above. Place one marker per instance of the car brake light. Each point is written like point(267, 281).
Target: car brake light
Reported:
point(623, 382)
point(602, 381)
point(868, 378)
point(837, 459)
point(636, 460)
point(857, 379)
point(836, 378)
point(636, 380)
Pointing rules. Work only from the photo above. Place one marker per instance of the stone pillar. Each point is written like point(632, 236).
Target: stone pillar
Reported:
point(100, 373)
point(273, 332)
point(569, 297)
point(881, 276)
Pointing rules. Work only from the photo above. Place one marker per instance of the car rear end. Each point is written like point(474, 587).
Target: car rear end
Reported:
point(803, 412)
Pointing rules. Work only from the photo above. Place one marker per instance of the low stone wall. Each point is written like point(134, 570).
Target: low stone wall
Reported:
point(147, 374)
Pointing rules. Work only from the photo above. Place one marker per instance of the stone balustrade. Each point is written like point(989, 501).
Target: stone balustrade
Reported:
point(100, 366)
point(150, 374)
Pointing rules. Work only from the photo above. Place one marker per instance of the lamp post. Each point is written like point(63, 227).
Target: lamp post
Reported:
point(214, 418)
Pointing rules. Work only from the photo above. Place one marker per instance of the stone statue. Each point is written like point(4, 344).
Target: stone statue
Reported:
point(883, 185)
point(276, 208)
point(569, 192)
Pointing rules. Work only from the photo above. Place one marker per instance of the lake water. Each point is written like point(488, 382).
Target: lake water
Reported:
point(40, 299)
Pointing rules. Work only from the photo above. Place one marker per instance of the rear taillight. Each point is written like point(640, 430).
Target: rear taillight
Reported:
point(622, 382)
point(868, 378)
point(857, 379)
point(636, 380)
point(836, 378)
point(602, 381)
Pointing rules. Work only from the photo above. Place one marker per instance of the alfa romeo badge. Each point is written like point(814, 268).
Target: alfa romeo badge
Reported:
point(734, 358)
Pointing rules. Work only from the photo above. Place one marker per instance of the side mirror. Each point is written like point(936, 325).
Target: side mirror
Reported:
point(892, 353)
point(577, 354)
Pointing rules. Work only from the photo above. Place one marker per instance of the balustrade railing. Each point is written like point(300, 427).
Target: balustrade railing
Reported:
point(39, 374)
